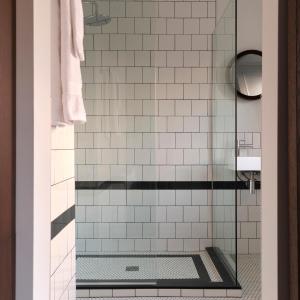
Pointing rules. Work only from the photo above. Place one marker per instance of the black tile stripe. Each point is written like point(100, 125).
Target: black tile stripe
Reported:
point(163, 185)
point(62, 221)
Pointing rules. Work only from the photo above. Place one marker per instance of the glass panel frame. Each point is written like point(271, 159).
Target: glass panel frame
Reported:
point(224, 137)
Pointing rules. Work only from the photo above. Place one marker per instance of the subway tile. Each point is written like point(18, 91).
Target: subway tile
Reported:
point(159, 25)
point(101, 197)
point(117, 197)
point(183, 75)
point(117, 230)
point(199, 9)
point(142, 245)
point(101, 42)
point(174, 214)
point(110, 245)
point(125, 25)
point(158, 215)
point(134, 197)
point(166, 230)
point(109, 214)
point(117, 9)
point(126, 245)
point(142, 58)
point(125, 156)
point(191, 214)
point(175, 245)
point(100, 293)
point(150, 230)
point(93, 245)
point(150, 42)
point(142, 25)
point(175, 156)
point(183, 9)
point(183, 42)
point(207, 25)
point(134, 41)
point(183, 230)
point(134, 230)
point(191, 26)
point(169, 292)
point(142, 214)
point(166, 9)
point(191, 245)
point(166, 197)
point(199, 230)
point(175, 124)
point(102, 172)
point(133, 9)
point(167, 173)
point(191, 156)
point(192, 292)
point(150, 9)
point(215, 293)
point(183, 173)
point(166, 42)
point(93, 214)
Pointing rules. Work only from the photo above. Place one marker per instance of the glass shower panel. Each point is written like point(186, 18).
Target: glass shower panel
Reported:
point(224, 138)
point(143, 159)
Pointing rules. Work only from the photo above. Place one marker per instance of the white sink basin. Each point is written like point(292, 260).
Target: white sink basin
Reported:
point(249, 163)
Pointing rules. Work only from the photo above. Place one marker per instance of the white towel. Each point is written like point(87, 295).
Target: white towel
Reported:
point(72, 31)
point(56, 88)
point(67, 52)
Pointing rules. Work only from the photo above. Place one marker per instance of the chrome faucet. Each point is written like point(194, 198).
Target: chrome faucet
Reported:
point(241, 144)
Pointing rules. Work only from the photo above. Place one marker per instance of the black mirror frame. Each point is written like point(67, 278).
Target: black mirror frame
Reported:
point(240, 55)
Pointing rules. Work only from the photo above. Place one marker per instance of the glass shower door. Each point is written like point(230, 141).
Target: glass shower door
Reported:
point(224, 140)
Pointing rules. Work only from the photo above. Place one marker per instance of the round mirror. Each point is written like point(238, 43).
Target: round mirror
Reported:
point(249, 74)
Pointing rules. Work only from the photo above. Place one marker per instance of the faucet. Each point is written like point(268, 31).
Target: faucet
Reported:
point(242, 145)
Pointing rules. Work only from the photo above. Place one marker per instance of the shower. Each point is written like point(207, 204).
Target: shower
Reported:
point(96, 19)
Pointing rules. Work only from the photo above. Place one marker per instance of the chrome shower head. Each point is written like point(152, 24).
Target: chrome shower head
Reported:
point(97, 20)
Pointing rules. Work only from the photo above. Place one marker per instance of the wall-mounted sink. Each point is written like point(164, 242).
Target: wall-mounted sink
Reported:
point(249, 163)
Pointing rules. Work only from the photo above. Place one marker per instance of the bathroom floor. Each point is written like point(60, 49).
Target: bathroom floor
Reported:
point(250, 278)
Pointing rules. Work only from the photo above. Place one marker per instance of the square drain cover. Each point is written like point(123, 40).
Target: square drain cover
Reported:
point(132, 268)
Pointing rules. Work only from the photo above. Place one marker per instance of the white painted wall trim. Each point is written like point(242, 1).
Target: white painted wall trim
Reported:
point(33, 150)
point(269, 151)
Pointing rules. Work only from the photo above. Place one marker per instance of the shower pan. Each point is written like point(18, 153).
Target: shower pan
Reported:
point(155, 186)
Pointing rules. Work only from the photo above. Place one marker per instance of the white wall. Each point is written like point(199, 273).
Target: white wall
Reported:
point(33, 150)
point(269, 151)
point(249, 36)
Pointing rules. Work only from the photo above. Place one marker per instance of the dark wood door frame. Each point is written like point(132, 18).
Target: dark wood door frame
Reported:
point(7, 149)
point(294, 145)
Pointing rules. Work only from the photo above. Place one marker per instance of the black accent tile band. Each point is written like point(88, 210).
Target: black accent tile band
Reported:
point(62, 221)
point(163, 185)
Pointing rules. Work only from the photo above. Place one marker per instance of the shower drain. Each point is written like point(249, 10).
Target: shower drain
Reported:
point(132, 268)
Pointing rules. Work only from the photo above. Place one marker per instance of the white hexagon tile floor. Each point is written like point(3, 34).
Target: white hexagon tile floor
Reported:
point(250, 280)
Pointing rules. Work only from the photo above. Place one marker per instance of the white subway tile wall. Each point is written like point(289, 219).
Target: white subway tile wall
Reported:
point(145, 85)
point(62, 198)
point(147, 89)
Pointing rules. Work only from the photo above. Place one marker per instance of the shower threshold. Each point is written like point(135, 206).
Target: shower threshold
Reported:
point(196, 270)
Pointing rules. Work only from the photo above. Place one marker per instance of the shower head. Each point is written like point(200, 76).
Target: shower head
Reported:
point(97, 20)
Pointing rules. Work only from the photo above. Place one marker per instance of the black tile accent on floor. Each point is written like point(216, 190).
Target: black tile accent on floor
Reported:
point(62, 221)
point(163, 185)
